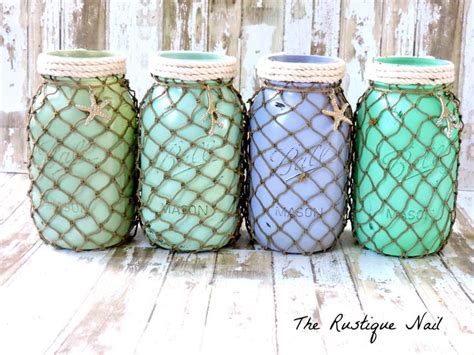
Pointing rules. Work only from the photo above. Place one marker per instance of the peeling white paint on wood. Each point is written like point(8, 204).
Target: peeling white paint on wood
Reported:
point(262, 34)
point(298, 27)
point(255, 49)
point(466, 76)
point(136, 35)
point(326, 27)
point(13, 54)
point(361, 29)
point(398, 28)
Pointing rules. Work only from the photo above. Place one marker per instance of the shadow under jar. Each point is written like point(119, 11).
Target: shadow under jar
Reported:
point(191, 130)
point(82, 144)
point(406, 159)
point(298, 154)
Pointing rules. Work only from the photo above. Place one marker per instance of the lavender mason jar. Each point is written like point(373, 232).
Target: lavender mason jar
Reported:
point(298, 154)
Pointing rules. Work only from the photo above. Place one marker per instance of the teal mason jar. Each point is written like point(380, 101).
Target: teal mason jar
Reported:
point(82, 144)
point(191, 129)
point(406, 157)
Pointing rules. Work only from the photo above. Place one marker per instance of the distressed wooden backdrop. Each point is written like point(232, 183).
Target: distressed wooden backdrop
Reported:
point(355, 30)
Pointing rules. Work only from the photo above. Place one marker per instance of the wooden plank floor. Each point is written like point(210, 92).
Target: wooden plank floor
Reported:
point(241, 300)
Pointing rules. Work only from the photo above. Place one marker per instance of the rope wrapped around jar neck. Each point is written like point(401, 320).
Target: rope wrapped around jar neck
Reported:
point(327, 71)
point(406, 71)
point(81, 63)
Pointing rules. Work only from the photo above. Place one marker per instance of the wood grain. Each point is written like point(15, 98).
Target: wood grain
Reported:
point(398, 29)
point(326, 27)
point(112, 317)
point(262, 33)
point(240, 314)
point(185, 25)
point(83, 24)
point(466, 85)
point(298, 27)
point(136, 34)
point(181, 307)
point(361, 30)
point(225, 22)
point(139, 299)
point(13, 84)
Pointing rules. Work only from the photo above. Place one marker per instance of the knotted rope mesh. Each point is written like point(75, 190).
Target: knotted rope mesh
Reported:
point(191, 170)
point(298, 159)
point(406, 149)
point(82, 150)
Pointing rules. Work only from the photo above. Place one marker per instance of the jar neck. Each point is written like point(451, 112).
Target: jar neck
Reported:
point(84, 82)
point(192, 83)
point(381, 86)
point(301, 87)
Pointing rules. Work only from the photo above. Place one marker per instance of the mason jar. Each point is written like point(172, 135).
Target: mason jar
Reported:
point(191, 130)
point(406, 157)
point(298, 154)
point(82, 144)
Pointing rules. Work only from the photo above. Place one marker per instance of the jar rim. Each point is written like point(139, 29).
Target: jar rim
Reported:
point(81, 63)
point(192, 65)
point(410, 70)
point(300, 68)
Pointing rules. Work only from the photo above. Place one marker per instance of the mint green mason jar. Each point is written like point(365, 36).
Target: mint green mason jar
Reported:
point(82, 144)
point(406, 157)
point(191, 130)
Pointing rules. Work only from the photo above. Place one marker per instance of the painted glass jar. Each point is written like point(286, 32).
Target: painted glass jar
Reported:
point(191, 130)
point(82, 144)
point(298, 154)
point(406, 157)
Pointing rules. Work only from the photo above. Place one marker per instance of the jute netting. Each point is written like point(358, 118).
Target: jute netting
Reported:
point(406, 157)
point(298, 159)
point(82, 149)
point(190, 165)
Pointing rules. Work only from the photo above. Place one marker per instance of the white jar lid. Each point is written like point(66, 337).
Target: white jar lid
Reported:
point(81, 63)
point(410, 70)
point(191, 65)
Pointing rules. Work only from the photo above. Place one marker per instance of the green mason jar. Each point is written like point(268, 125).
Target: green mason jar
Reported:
point(191, 129)
point(406, 157)
point(82, 144)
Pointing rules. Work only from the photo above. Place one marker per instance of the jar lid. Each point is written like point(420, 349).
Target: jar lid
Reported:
point(410, 70)
point(81, 63)
point(301, 68)
point(191, 65)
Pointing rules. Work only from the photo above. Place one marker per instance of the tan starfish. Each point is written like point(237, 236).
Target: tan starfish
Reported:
point(95, 109)
point(451, 120)
point(338, 113)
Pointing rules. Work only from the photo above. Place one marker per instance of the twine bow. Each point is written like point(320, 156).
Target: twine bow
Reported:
point(211, 112)
point(451, 120)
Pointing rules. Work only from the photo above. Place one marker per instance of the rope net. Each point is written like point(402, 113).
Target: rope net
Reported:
point(191, 170)
point(82, 150)
point(406, 157)
point(298, 159)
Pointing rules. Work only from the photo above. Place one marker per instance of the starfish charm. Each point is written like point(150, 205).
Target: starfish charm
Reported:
point(451, 120)
point(338, 113)
point(95, 109)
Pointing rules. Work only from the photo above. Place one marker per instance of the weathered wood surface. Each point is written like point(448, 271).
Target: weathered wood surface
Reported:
point(355, 30)
point(136, 299)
